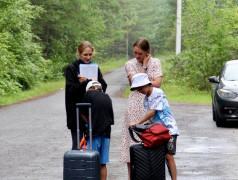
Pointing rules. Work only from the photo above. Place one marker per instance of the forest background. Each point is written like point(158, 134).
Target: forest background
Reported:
point(39, 38)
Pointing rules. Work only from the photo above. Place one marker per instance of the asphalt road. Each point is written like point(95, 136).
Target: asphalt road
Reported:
point(34, 138)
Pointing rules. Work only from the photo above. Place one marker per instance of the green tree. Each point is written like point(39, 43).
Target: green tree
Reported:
point(113, 19)
point(64, 24)
point(129, 14)
point(153, 19)
point(21, 63)
point(209, 39)
point(165, 26)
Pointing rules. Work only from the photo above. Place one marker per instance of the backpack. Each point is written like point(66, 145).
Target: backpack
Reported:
point(151, 134)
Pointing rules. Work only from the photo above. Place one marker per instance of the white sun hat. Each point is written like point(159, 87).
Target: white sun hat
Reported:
point(138, 80)
point(92, 83)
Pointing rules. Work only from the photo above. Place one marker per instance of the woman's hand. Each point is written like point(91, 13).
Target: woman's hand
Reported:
point(146, 60)
point(82, 78)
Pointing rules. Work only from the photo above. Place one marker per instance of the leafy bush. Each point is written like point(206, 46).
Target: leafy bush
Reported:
point(22, 65)
point(209, 39)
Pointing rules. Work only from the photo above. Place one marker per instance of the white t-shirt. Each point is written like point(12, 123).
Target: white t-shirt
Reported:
point(158, 101)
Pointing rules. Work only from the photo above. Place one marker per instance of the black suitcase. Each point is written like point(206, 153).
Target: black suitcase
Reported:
point(147, 163)
point(79, 164)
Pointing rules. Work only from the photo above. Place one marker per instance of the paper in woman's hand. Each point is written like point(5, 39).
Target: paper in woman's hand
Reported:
point(89, 70)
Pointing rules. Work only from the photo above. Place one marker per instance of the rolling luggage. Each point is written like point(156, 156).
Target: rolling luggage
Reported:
point(147, 163)
point(79, 164)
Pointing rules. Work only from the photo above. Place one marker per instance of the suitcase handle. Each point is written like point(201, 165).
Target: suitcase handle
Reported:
point(78, 105)
point(132, 135)
point(83, 104)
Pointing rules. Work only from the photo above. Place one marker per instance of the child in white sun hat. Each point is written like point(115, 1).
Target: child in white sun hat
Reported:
point(158, 111)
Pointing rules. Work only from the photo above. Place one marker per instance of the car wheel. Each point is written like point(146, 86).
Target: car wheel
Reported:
point(219, 122)
point(213, 114)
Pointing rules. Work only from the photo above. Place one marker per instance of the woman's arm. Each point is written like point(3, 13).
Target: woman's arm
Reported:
point(129, 78)
point(157, 81)
point(72, 82)
point(102, 81)
point(156, 72)
point(145, 63)
point(85, 118)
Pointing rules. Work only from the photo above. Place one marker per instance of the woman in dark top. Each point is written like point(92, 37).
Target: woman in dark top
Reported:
point(76, 85)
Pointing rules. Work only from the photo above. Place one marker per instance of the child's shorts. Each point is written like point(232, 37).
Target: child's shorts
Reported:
point(101, 144)
point(171, 145)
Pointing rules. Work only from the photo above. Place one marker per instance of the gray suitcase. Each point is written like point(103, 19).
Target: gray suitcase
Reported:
point(79, 164)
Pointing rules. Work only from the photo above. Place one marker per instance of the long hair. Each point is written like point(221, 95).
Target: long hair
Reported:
point(83, 45)
point(143, 44)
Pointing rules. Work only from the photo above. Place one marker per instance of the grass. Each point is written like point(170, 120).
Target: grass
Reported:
point(185, 94)
point(181, 94)
point(39, 90)
point(111, 64)
point(165, 55)
point(49, 87)
point(177, 92)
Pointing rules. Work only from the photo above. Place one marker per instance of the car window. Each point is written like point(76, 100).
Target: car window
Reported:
point(231, 72)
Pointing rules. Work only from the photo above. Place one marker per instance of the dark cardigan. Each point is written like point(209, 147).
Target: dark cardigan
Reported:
point(74, 91)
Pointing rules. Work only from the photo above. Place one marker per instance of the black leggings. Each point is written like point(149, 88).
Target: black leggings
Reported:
point(74, 138)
